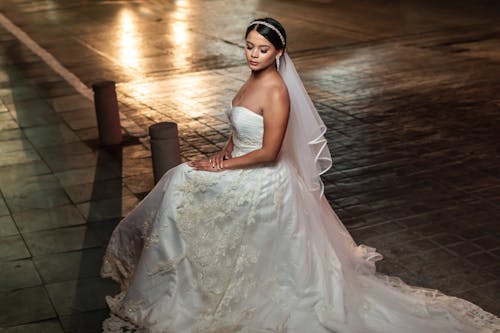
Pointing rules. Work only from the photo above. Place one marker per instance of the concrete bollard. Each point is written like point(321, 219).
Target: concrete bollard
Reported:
point(106, 108)
point(165, 149)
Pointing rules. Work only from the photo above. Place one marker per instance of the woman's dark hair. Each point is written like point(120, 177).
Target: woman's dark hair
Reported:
point(269, 33)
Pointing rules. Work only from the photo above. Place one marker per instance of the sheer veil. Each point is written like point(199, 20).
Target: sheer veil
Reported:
point(304, 144)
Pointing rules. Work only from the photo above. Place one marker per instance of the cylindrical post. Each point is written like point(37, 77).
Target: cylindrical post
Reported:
point(165, 149)
point(106, 108)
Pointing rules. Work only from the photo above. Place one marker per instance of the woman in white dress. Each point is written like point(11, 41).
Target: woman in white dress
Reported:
point(245, 241)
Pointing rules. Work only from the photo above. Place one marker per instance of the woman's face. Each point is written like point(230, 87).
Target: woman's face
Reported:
point(260, 52)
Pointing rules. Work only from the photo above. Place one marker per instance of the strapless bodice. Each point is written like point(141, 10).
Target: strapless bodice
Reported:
point(248, 129)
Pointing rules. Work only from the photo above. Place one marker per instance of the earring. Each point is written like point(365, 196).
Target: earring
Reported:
point(278, 62)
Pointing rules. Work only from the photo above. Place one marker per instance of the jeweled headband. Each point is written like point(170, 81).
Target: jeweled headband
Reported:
point(269, 25)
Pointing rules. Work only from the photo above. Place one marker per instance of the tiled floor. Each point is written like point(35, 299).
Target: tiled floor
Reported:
point(408, 91)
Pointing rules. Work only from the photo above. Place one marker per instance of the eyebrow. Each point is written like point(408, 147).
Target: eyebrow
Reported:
point(265, 45)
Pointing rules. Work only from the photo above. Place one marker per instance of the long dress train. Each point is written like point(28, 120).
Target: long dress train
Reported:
point(251, 251)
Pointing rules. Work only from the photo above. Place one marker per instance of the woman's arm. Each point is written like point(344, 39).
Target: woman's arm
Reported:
point(228, 148)
point(224, 154)
point(275, 123)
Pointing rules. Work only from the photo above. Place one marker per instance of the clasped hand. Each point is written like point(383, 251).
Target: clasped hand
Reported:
point(213, 164)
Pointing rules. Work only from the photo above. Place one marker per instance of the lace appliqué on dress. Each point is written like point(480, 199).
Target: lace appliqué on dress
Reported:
point(435, 303)
point(120, 259)
point(214, 244)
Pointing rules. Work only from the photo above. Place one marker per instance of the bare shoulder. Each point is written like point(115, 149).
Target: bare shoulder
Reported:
point(277, 94)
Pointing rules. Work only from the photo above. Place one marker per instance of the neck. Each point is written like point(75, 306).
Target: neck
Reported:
point(264, 72)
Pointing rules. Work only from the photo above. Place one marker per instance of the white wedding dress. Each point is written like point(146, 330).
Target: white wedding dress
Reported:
point(253, 251)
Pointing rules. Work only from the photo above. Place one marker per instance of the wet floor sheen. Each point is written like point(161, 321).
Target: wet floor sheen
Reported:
point(408, 90)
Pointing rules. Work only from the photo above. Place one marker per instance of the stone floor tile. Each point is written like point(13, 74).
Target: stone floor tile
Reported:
point(3, 207)
point(386, 228)
point(11, 134)
point(77, 161)
point(483, 259)
point(16, 186)
point(63, 240)
point(50, 135)
point(495, 269)
point(453, 285)
point(70, 103)
point(13, 173)
point(490, 290)
point(84, 322)
point(136, 151)
point(386, 267)
point(25, 306)
point(488, 242)
point(88, 134)
point(66, 149)
point(70, 297)
point(113, 188)
point(44, 219)
point(54, 88)
point(445, 239)
point(407, 247)
point(139, 184)
point(107, 209)
point(7, 226)
point(7, 123)
point(412, 263)
point(32, 113)
point(18, 274)
point(436, 269)
point(13, 247)
point(18, 157)
point(80, 119)
point(465, 248)
point(137, 166)
point(68, 266)
point(14, 145)
point(87, 175)
point(38, 199)
point(456, 284)
point(21, 92)
point(48, 326)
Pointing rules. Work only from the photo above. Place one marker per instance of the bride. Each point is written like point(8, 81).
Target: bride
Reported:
point(245, 241)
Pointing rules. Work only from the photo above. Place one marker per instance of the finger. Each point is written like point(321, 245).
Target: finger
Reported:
point(199, 168)
point(201, 162)
point(218, 162)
